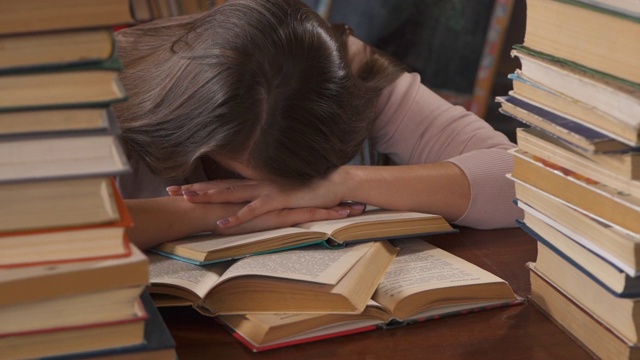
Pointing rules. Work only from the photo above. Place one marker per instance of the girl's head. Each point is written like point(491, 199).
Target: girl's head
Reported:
point(266, 82)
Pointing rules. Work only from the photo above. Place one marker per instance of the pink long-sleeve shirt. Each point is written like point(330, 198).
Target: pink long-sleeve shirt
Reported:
point(416, 126)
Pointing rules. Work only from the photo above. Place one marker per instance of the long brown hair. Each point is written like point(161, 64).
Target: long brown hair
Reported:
point(264, 80)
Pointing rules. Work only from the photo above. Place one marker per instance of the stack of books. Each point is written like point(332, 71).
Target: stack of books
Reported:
point(72, 285)
point(577, 167)
point(323, 279)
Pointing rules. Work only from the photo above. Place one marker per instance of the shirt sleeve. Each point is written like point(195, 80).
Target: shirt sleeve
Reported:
point(416, 126)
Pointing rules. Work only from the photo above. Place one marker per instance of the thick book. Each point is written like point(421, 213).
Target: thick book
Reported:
point(607, 240)
point(310, 280)
point(52, 245)
point(559, 126)
point(624, 7)
point(530, 91)
point(45, 15)
point(62, 154)
point(607, 203)
point(374, 224)
point(38, 283)
point(76, 339)
point(51, 121)
point(423, 283)
point(73, 86)
point(158, 342)
point(621, 315)
point(607, 104)
point(55, 49)
point(606, 274)
point(578, 323)
point(39, 205)
point(590, 36)
point(59, 313)
point(619, 170)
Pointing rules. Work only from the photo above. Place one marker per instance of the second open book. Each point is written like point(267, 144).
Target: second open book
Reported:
point(312, 293)
point(374, 224)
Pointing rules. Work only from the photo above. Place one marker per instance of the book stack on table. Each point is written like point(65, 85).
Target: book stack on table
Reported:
point(71, 282)
point(577, 166)
point(323, 279)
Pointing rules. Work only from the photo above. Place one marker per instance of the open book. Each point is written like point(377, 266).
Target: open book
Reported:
point(423, 283)
point(312, 279)
point(374, 224)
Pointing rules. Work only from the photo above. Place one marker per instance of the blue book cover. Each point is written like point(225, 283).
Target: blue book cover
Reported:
point(558, 120)
point(632, 285)
point(560, 127)
point(157, 340)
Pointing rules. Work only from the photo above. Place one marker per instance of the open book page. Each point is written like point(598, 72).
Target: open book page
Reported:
point(211, 242)
point(276, 327)
point(197, 279)
point(420, 267)
point(313, 263)
point(370, 216)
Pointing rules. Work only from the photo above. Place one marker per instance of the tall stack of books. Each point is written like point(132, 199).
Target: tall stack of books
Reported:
point(577, 167)
point(72, 285)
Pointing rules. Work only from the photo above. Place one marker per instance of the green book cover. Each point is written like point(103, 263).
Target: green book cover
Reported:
point(595, 5)
point(576, 66)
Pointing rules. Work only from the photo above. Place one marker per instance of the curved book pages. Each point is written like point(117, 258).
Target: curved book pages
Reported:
point(423, 283)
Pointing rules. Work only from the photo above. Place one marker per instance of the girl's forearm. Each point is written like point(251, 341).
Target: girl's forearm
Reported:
point(440, 188)
point(158, 220)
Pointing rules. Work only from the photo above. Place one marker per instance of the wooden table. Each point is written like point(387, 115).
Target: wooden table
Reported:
point(519, 332)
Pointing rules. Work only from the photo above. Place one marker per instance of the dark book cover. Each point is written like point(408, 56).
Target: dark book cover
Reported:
point(156, 337)
point(632, 286)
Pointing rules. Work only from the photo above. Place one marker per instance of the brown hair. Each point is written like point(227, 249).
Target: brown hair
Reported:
point(265, 79)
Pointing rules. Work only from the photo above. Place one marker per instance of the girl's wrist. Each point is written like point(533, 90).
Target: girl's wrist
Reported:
point(346, 181)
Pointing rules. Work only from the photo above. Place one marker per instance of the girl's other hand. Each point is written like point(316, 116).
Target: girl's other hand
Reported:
point(263, 197)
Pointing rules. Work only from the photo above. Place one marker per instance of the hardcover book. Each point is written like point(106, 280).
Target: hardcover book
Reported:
point(559, 126)
point(32, 284)
point(51, 245)
point(590, 36)
point(619, 170)
point(621, 315)
point(63, 157)
point(74, 86)
point(423, 283)
point(606, 274)
point(50, 121)
point(312, 279)
point(607, 203)
point(374, 224)
point(158, 343)
point(578, 323)
point(611, 104)
point(55, 49)
point(91, 337)
point(44, 15)
point(40, 205)
point(609, 241)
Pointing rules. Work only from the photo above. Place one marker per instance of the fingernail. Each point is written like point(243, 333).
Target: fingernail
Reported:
point(222, 222)
point(189, 193)
point(173, 188)
point(358, 206)
point(343, 212)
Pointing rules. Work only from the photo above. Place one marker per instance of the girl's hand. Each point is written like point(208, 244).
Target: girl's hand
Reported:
point(169, 218)
point(284, 218)
point(264, 197)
